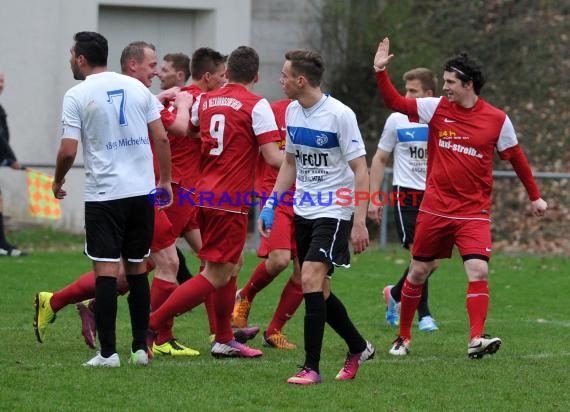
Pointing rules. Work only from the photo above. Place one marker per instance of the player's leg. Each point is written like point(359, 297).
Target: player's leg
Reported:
point(474, 244)
point(439, 232)
point(277, 250)
point(313, 273)
point(290, 300)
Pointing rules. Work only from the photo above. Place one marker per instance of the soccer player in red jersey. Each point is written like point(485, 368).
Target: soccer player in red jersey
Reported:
point(234, 126)
point(277, 250)
point(464, 131)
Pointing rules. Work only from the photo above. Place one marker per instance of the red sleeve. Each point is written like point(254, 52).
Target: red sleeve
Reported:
point(393, 99)
point(167, 117)
point(517, 158)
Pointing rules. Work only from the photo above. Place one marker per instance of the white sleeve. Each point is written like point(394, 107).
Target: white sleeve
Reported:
point(70, 118)
point(155, 107)
point(350, 139)
point(388, 137)
point(427, 107)
point(288, 144)
point(194, 111)
point(508, 136)
point(263, 119)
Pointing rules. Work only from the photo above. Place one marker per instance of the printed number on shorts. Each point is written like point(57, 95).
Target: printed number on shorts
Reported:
point(217, 125)
point(113, 98)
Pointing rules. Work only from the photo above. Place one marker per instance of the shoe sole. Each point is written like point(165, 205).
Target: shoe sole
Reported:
point(87, 335)
point(221, 355)
point(491, 349)
point(36, 316)
point(242, 337)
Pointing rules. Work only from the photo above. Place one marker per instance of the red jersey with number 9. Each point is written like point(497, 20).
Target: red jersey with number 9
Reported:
point(233, 124)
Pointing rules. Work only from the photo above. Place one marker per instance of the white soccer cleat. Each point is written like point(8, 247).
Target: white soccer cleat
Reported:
point(112, 361)
point(483, 345)
point(400, 347)
point(140, 357)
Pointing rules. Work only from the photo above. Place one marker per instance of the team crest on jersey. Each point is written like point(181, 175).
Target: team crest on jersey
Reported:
point(321, 139)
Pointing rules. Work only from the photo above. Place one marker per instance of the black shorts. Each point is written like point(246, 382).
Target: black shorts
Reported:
point(323, 240)
point(119, 228)
point(406, 214)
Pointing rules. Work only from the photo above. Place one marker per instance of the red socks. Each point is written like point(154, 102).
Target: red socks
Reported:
point(80, 290)
point(224, 299)
point(291, 299)
point(259, 279)
point(477, 306)
point(186, 296)
point(411, 295)
point(159, 292)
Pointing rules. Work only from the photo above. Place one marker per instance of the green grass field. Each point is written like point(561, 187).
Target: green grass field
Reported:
point(529, 310)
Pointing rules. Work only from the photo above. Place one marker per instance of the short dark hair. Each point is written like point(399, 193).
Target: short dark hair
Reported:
point(134, 50)
point(307, 63)
point(93, 46)
point(180, 63)
point(243, 65)
point(205, 60)
point(426, 77)
point(466, 69)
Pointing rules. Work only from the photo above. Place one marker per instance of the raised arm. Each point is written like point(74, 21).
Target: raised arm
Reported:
point(392, 98)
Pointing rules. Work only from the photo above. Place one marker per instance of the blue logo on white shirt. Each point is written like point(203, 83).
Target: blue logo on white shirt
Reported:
point(413, 134)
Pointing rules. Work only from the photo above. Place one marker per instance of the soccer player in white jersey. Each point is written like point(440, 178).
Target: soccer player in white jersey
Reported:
point(325, 158)
point(408, 141)
point(112, 115)
point(464, 131)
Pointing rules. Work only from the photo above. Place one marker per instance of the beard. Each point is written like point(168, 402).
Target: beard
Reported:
point(77, 75)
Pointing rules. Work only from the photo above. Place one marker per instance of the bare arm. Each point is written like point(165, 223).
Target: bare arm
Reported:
point(162, 153)
point(271, 154)
point(65, 158)
point(359, 235)
point(379, 162)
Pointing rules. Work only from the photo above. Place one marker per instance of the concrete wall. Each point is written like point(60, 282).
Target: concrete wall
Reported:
point(37, 34)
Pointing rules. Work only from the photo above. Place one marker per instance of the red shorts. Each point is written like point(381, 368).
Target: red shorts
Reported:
point(182, 214)
point(436, 235)
point(223, 235)
point(163, 235)
point(282, 234)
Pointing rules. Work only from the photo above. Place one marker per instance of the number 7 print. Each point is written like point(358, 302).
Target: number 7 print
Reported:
point(111, 99)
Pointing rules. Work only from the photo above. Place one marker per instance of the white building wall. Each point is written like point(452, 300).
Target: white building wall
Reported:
point(37, 34)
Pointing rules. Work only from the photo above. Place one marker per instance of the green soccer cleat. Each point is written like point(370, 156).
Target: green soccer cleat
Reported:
point(44, 314)
point(173, 348)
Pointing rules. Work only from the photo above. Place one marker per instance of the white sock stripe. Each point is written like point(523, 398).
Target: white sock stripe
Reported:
point(410, 296)
point(474, 295)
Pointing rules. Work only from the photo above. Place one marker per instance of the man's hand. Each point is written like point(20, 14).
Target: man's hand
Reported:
point(539, 207)
point(359, 237)
point(58, 192)
point(383, 56)
point(168, 94)
point(166, 199)
point(16, 165)
point(266, 217)
point(183, 101)
point(374, 213)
